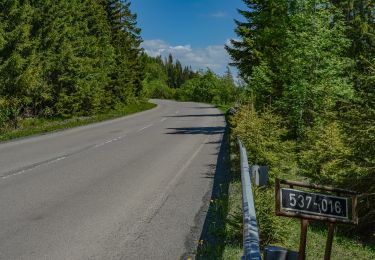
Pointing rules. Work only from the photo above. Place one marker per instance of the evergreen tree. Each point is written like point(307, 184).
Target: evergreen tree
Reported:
point(292, 55)
point(76, 55)
point(261, 36)
point(20, 71)
point(60, 57)
point(314, 71)
point(127, 75)
point(170, 70)
point(359, 115)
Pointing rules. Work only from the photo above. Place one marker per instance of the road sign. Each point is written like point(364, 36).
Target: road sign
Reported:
point(314, 203)
point(330, 207)
point(309, 205)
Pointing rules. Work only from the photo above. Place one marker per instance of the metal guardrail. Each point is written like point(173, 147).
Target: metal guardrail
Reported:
point(250, 226)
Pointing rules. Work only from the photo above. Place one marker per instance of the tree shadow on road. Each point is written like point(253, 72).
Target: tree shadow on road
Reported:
point(196, 130)
point(199, 115)
point(203, 107)
point(213, 233)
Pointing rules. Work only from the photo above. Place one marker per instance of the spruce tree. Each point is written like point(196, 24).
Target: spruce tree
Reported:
point(261, 36)
point(20, 71)
point(128, 74)
point(358, 117)
point(76, 55)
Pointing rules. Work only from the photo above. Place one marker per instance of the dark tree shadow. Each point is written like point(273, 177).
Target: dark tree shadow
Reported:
point(201, 107)
point(196, 130)
point(213, 232)
point(214, 142)
point(198, 115)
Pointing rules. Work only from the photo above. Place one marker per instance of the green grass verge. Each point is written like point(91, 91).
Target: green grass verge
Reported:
point(225, 225)
point(233, 247)
point(343, 248)
point(34, 126)
point(223, 108)
point(224, 219)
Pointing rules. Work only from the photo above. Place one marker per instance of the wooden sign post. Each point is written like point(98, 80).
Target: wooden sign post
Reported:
point(329, 207)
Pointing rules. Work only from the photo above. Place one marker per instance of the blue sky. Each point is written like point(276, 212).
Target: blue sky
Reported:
point(194, 31)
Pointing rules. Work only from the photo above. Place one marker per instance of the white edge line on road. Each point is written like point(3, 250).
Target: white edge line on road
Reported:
point(143, 128)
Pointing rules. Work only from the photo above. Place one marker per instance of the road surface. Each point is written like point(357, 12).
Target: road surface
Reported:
point(130, 188)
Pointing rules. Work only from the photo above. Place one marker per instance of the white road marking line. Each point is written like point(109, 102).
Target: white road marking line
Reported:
point(101, 144)
point(143, 128)
point(163, 119)
point(57, 159)
point(159, 200)
point(32, 168)
point(14, 174)
point(110, 141)
point(177, 112)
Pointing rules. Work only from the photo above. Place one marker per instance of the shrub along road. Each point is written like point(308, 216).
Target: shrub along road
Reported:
point(135, 187)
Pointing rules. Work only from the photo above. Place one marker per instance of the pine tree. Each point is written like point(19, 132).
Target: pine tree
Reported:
point(261, 36)
point(128, 74)
point(60, 57)
point(76, 55)
point(20, 71)
point(358, 117)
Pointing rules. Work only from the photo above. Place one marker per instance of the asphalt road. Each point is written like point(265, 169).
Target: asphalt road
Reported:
point(137, 187)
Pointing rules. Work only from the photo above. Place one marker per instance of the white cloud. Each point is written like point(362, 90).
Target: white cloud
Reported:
point(214, 57)
point(219, 14)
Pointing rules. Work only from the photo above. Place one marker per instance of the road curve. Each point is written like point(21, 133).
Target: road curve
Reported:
point(131, 188)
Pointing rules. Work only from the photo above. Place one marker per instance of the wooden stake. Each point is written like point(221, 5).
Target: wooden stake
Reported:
point(331, 231)
point(303, 238)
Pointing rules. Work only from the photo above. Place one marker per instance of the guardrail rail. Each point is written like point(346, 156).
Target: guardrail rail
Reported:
point(250, 227)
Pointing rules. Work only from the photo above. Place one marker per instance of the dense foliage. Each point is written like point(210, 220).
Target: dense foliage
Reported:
point(210, 88)
point(311, 65)
point(64, 58)
point(163, 77)
point(168, 79)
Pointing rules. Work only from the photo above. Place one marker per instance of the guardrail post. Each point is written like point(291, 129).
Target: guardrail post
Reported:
point(261, 175)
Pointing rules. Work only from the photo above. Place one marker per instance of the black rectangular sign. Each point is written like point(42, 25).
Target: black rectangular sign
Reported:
point(314, 203)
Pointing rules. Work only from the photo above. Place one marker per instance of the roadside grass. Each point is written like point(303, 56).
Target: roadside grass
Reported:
point(343, 248)
point(233, 247)
point(33, 126)
point(224, 218)
point(223, 235)
point(223, 108)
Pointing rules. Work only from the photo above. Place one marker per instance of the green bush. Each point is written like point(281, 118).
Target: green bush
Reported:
point(158, 89)
point(327, 158)
point(9, 112)
point(324, 156)
point(263, 136)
